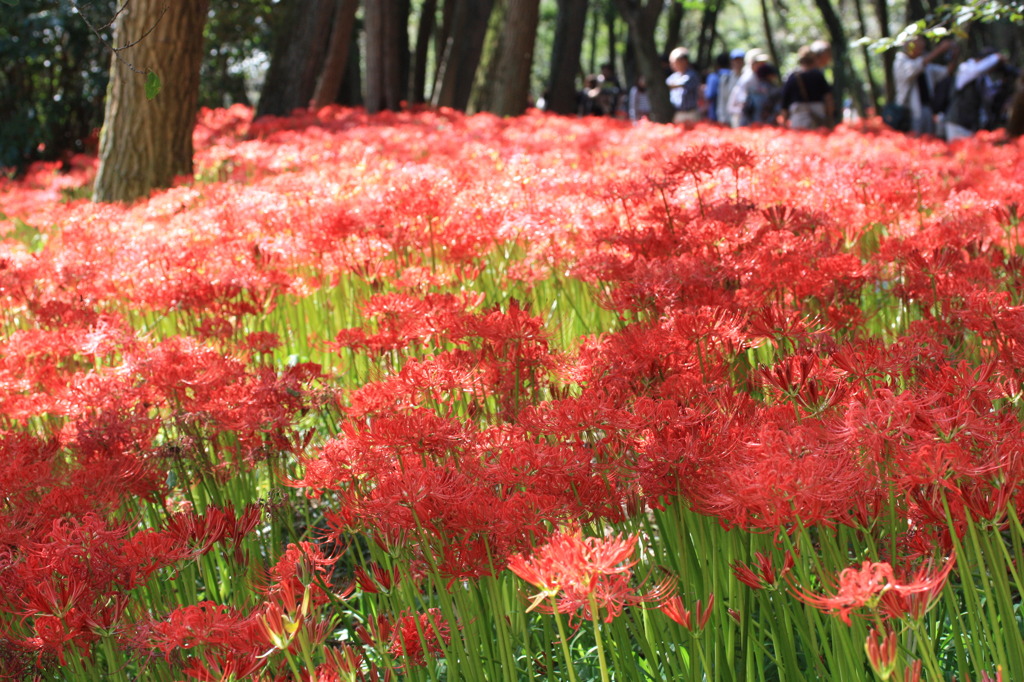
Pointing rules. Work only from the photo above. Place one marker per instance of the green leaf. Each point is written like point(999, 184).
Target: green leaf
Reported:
point(11, 3)
point(152, 84)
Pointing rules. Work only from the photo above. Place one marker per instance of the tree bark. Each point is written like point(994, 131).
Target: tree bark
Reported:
point(329, 83)
point(841, 70)
point(570, 28)
point(769, 34)
point(642, 18)
point(418, 75)
point(708, 25)
point(510, 88)
point(462, 50)
point(674, 30)
point(146, 143)
point(882, 13)
point(384, 20)
point(298, 58)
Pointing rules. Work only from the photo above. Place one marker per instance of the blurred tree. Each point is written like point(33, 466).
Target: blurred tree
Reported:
point(300, 48)
point(464, 35)
point(387, 53)
point(570, 27)
point(146, 141)
point(53, 73)
point(237, 39)
point(642, 18)
point(510, 83)
point(328, 86)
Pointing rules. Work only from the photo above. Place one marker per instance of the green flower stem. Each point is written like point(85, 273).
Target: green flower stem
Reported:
point(597, 638)
point(563, 641)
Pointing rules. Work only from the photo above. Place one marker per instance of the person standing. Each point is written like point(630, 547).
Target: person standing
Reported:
point(726, 83)
point(683, 87)
point(714, 84)
point(639, 100)
point(916, 78)
point(741, 89)
point(807, 100)
point(963, 117)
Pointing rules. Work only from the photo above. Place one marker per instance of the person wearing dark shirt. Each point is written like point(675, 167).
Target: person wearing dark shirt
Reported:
point(807, 100)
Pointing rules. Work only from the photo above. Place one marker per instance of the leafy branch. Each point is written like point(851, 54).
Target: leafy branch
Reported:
point(152, 79)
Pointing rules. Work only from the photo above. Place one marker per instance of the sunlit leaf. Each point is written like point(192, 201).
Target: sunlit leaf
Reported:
point(152, 85)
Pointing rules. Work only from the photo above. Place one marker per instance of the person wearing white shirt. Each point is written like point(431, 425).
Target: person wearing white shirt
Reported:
point(964, 113)
point(916, 77)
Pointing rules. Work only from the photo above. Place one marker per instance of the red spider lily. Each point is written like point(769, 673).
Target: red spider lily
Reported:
point(584, 573)
point(868, 585)
point(691, 620)
point(411, 635)
point(382, 579)
point(881, 648)
point(766, 575)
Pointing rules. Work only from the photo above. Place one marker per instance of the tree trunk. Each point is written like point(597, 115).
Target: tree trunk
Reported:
point(873, 93)
point(418, 75)
point(708, 25)
point(510, 88)
point(570, 28)
point(384, 21)
point(674, 31)
point(769, 34)
point(146, 143)
point(841, 70)
point(350, 94)
point(298, 58)
point(882, 13)
point(463, 47)
point(642, 18)
point(333, 72)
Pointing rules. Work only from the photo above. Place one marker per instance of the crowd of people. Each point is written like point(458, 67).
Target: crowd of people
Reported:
point(937, 91)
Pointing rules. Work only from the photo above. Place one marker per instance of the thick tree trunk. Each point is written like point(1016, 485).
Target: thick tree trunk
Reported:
point(463, 47)
point(384, 21)
point(510, 88)
point(418, 75)
point(146, 143)
point(570, 28)
point(642, 17)
point(329, 83)
point(298, 58)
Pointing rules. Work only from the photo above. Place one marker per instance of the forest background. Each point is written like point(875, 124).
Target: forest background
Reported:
point(469, 55)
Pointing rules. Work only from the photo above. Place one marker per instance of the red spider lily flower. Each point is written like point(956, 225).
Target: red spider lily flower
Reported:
point(583, 572)
point(881, 649)
point(382, 578)
point(205, 623)
point(691, 620)
point(416, 635)
point(766, 575)
point(866, 587)
point(216, 667)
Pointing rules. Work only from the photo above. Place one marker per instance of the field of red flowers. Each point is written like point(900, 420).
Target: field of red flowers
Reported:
point(434, 397)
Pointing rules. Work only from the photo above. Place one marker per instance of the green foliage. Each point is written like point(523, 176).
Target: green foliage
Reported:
point(152, 85)
point(53, 73)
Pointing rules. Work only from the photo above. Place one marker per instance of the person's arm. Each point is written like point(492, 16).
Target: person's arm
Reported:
point(971, 69)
